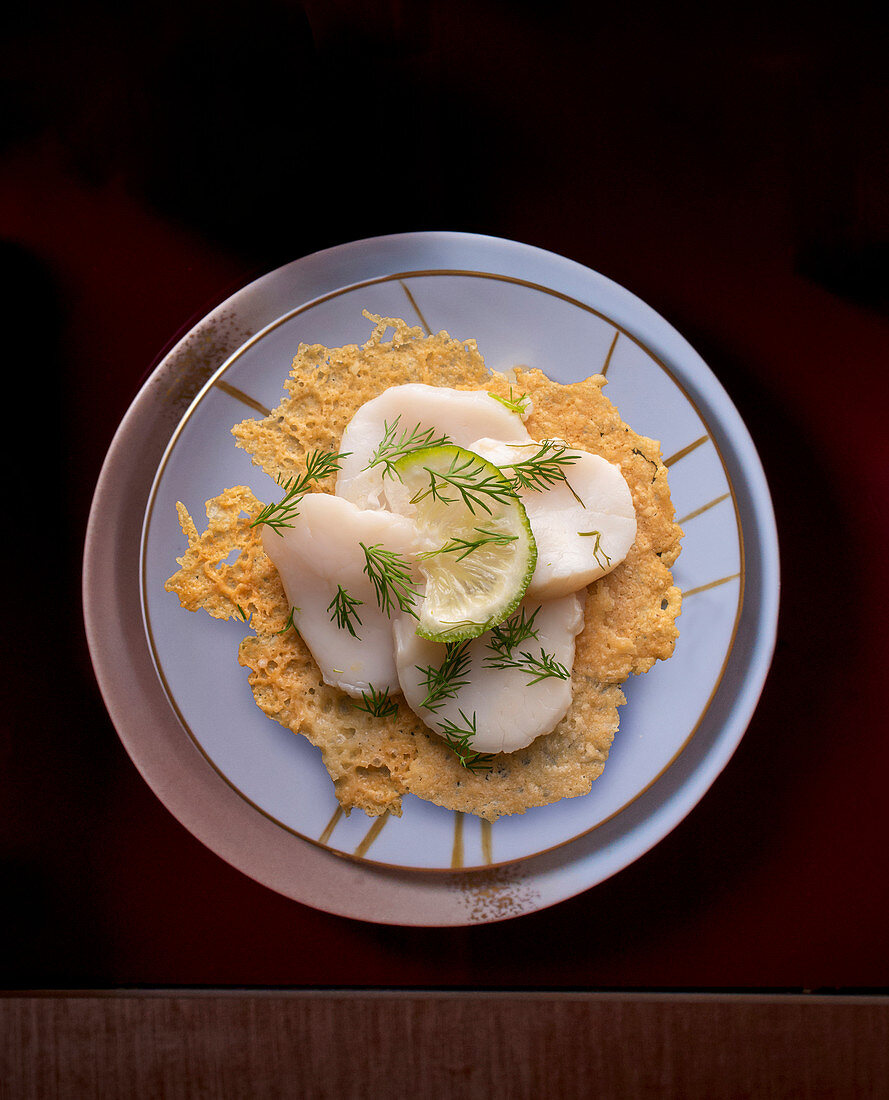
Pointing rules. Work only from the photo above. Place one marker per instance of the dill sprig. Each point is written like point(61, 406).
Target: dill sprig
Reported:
point(538, 668)
point(390, 574)
point(474, 481)
point(459, 739)
point(445, 681)
point(508, 635)
point(597, 547)
point(289, 623)
point(391, 449)
point(514, 404)
point(319, 465)
point(543, 469)
point(466, 546)
point(343, 606)
point(377, 703)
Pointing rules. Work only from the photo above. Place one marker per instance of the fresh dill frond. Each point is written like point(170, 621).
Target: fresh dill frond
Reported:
point(514, 404)
point(319, 465)
point(544, 469)
point(391, 449)
point(539, 668)
point(390, 574)
point(377, 703)
point(445, 681)
point(289, 623)
point(466, 546)
point(343, 606)
point(508, 635)
point(597, 547)
point(475, 483)
point(459, 740)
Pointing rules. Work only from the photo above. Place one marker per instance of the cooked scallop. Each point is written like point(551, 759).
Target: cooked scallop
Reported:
point(415, 415)
point(506, 707)
point(584, 525)
point(321, 563)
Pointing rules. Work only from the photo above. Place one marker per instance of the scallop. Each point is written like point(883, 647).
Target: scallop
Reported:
point(584, 526)
point(412, 415)
point(505, 707)
point(321, 563)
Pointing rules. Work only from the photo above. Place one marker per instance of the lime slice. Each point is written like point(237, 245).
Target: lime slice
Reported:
point(484, 553)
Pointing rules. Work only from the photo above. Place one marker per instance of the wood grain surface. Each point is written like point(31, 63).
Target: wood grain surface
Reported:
point(359, 1044)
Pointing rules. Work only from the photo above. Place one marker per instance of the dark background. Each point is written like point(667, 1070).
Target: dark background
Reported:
point(728, 165)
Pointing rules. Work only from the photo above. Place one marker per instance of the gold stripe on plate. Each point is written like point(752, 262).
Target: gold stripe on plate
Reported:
point(330, 826)
point(372, 833)
point(415, 307)
point(686, 450)
point(239, 395)
point(704, 508)
point(457, 853)
point(604, 370)
point(711, 584)
point(487, 842)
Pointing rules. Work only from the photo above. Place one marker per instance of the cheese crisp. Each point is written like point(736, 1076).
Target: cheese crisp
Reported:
point(629, 619)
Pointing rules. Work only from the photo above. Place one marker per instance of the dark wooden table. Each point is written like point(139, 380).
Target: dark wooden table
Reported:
point(731, 170)
point(454, 1045)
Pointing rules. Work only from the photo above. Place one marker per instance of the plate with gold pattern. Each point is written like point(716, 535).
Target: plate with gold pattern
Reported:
point(259, 796)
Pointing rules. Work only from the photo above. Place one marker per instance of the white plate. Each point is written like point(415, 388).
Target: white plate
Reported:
point(259, 796)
